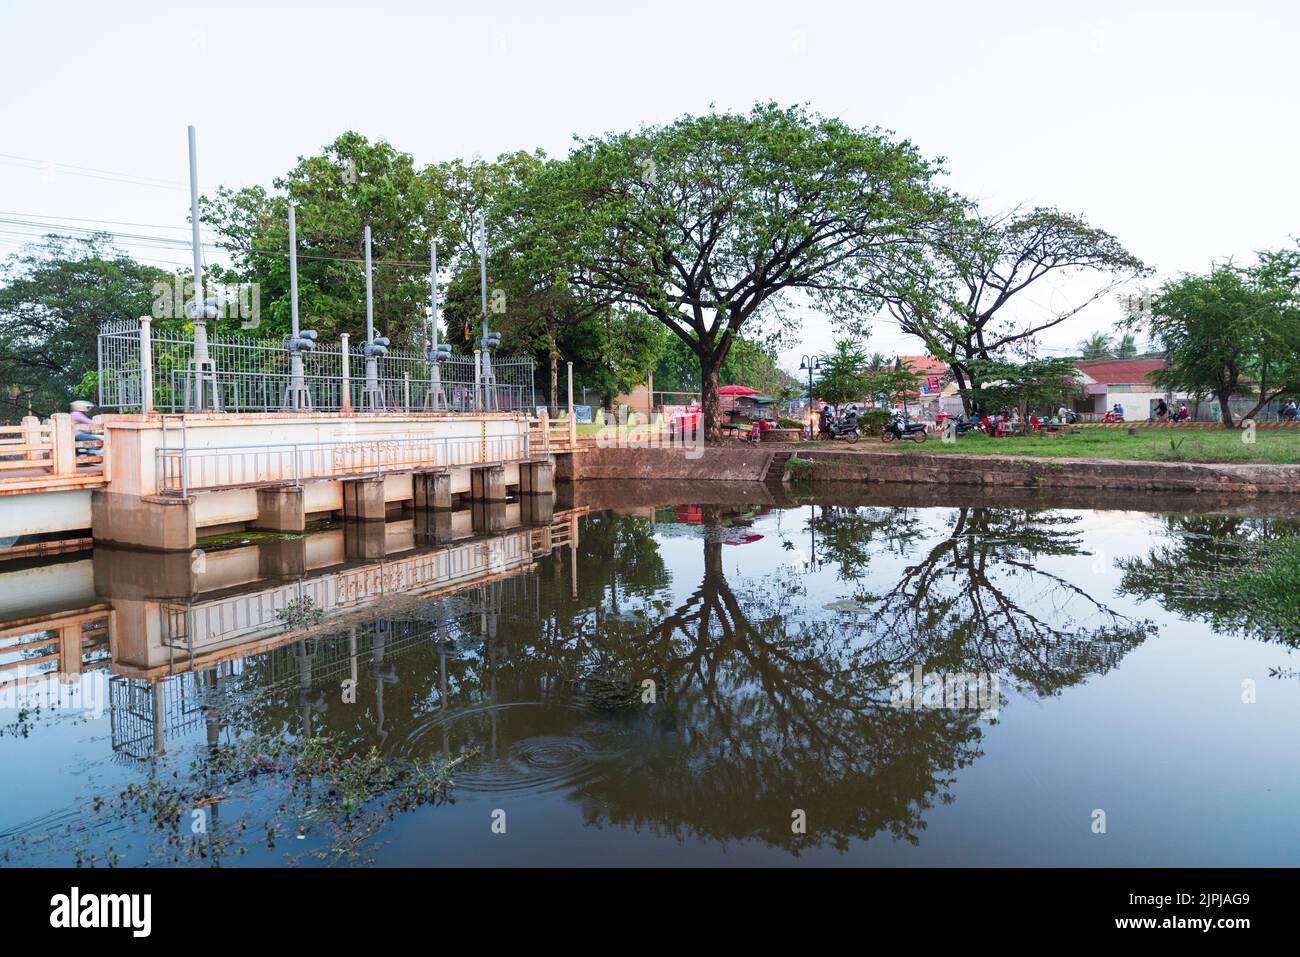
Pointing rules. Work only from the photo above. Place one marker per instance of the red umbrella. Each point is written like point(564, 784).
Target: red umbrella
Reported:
point(737, 390)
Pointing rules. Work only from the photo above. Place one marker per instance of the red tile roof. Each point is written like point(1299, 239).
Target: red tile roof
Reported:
point(1121, 371)
point(924, 365)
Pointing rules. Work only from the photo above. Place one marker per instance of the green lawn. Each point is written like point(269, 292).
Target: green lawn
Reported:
point(591, 428)
point(1149, 444)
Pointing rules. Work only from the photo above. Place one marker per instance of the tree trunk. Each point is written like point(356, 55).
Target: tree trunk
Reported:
point(1263, 401)
point(1225, 410)
point(709, 403)
point(555, 380)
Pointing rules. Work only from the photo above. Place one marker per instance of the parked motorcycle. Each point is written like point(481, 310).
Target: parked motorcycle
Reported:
point(899, 428)
point(845, 427)
point(962, 426)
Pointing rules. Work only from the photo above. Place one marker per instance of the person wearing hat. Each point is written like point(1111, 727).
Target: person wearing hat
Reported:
point(84, 424)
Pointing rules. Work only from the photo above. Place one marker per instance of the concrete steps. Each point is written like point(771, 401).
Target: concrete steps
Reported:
point(776, 469)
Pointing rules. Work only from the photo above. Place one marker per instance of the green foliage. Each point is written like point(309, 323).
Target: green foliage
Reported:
point(1229, 325)
point(1269, 589)
point(845, 376)
point(1099, 345)
point(799, 470)
point(353, 183)
point(749, 363)
point(1040, 384)
point(872, 421)
point(977, 265)
point(53, 299)
point(707, 224)
point(301, 613)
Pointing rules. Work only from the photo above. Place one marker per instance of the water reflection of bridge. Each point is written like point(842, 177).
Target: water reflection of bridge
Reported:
point(173, 630)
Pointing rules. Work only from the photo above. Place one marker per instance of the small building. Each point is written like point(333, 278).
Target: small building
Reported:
point(936, 390)
point(1127, 382)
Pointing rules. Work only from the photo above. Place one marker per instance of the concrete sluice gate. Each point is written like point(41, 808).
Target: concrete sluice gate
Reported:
point(168, 480)
point(148, 635)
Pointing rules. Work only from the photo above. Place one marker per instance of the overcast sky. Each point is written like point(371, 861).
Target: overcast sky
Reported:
point(1172, 125)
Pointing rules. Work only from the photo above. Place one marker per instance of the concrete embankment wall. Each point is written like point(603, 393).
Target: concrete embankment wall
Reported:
point(694, 465)
point(987, 470)
point(751, 465)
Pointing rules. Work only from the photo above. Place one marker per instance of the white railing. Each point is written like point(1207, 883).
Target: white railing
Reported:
point(45, 448)
point(200, 624)
point(184, 470)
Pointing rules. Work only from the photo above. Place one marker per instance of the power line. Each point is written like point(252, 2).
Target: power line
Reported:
point(83, 219)
point(132, 179)
point(35, 230)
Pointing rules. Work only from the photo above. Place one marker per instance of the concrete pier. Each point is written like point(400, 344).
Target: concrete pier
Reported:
point(433, 490)
point(281, 509)
point(488, 484)
point(363, 500)
point(536, 478)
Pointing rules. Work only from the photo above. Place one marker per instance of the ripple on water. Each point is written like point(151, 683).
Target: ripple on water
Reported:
point(539, 747)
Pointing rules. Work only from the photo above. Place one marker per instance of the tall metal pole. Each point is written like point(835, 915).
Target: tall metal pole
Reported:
point(194, 233)
point(433, 291)
point(435, 398)
point(372, 364)
point(482, 271)
point(485, 361)
point(201, 362)
point(296, 382)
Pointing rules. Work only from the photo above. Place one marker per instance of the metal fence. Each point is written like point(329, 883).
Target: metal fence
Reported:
point(253, 375)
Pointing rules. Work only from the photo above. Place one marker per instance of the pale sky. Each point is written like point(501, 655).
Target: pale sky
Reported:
point(1172, 125)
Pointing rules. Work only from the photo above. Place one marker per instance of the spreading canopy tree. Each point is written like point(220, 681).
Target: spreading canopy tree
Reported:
point(1232, 324)
point(712, 223)
point(967, 300)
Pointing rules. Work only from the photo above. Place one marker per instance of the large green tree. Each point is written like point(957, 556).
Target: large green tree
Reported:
point(53, 298)
point(1230, 325)
point(351, 184)
point(971, 298)
point(712, 223)
point(749, 363)
point(1034, 384)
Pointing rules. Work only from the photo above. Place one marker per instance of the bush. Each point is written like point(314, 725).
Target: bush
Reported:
point(790, 423)
point(872, 421)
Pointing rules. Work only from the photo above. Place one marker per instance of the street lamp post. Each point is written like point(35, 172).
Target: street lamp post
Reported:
point(811, 363)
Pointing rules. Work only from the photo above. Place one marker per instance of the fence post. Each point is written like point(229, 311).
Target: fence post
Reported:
point(573, 422)
point(64, 454)
point(345, 403)
point(146, 366)
point(32, 438)
point(406, 389)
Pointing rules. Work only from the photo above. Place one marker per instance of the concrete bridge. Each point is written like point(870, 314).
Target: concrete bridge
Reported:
point(146, 618)
point(163, 480)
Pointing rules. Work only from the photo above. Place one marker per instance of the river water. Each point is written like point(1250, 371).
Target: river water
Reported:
point(874, 676)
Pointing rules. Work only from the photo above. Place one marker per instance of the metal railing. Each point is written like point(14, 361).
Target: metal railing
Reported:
point(183, 470)
point(253, 375)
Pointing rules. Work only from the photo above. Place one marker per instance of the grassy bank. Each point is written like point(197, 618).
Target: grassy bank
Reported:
point(1150, 445)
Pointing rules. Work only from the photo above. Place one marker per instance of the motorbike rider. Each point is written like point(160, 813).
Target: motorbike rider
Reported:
point(824, 426)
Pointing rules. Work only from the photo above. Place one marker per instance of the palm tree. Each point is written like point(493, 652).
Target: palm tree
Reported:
point(1097, 346)
point(1127, 347)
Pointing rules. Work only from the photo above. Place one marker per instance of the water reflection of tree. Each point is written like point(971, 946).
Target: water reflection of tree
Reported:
point(852, 537)
point(1184, 573)
point(763, 707)
point(980, 598)
point(772, 712)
